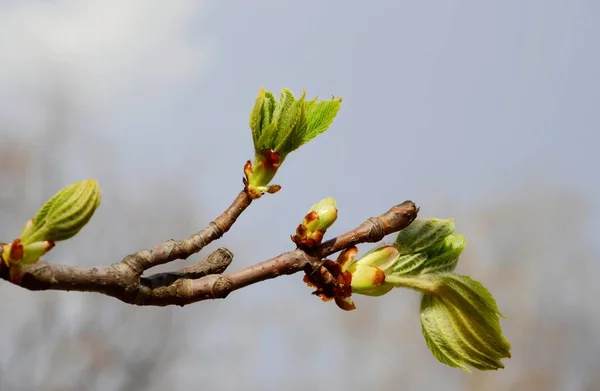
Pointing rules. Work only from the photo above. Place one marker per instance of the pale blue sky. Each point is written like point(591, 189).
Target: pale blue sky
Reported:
point(464, 100)
point(461, 99)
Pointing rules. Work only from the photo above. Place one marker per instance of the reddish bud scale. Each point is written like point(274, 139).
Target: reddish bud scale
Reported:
point(257, 175)
point(247, 171)
point(16, 250)
point(304, 241)
point(272, 189)
point(272, 159)
point(311, 217)
point(379, 278)
point(347, 256)
point(331, 281)
point(346, 305)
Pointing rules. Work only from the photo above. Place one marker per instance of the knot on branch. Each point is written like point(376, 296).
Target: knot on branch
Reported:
point(221, 287)
point(377, 227)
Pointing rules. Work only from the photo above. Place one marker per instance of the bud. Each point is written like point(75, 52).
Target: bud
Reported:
point(382, 257)
point(369, 281)
point(319, 218)
point(60, 218)
point(368, 273)
point(16, 253)
point(321, 215)
point(65, 214)
point(261, 172)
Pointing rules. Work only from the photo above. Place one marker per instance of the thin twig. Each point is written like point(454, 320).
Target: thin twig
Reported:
point(182, 249)
point(215, 263)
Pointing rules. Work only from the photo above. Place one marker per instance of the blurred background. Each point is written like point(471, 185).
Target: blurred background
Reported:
point(482, 111)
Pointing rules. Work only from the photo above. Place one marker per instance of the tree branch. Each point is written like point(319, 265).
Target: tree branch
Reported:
point(182, 249)
point(215, 263)
point(184, 287)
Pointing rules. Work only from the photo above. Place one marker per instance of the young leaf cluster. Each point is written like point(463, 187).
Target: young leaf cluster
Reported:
point(284, 125)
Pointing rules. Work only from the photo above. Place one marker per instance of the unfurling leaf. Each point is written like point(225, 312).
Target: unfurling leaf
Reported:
point(280, 127)
point(65, 214)
point(460, 320)
point(445, 257)
point(459, 317)
point(321, 116)
point(442, 257)
point(60, 218)
point(422, 234)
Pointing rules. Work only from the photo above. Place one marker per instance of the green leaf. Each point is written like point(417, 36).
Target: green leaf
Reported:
point(320, 116)
point(267, 109)
point(257, 115)
point(434, 336)
point(442, 258)
point(272, 133)
point(267, 138)
point(445, 258)
point(291, 127)
point(408, 265)
point(296, 138)
point(460, 323)
point(286, 99)
point(423, 234)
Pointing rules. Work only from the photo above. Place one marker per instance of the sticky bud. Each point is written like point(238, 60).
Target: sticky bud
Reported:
point(369, 280)
point(60, 218)
point(382, 257)
point(65, 214)
point(322, 215)
point(319, 218)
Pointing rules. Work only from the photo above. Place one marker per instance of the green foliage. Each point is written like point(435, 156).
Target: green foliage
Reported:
point(280, 127)
point(459, 317)
point(425, 246)
point(286, 124)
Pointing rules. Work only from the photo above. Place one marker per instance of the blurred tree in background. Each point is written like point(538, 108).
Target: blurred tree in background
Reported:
point(76, 342)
